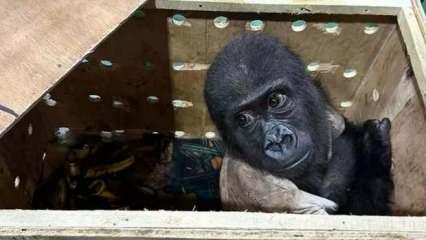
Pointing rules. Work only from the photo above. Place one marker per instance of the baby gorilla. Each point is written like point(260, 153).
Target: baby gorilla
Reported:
point(271, 114)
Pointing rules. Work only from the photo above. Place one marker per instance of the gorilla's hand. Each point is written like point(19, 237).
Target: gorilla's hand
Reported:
point(377, 148)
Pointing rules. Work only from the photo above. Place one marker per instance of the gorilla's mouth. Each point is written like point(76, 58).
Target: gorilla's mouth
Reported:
point(284, 148)
point(275, 152)
point(300, 160)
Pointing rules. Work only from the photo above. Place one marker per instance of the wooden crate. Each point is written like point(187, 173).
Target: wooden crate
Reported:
point(73, 49)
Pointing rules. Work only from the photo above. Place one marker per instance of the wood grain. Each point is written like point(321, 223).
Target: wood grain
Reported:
point(382, 7)
point(188, 44)
point(40, 41)
point(199, 41)
point(409, 152)
point(21, 155)
point(383, 76)
point(138, 51)
point(412, 31)
point(203, 225)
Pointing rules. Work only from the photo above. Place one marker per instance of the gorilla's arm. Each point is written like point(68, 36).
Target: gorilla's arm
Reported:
point(340, 173)
point(373, 186)
point(243, 187)
point(359, 176)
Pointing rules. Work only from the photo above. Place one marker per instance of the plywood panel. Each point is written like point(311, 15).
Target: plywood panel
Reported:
point(199, 41)
point(409, 154)
point(138, 52)
point(22, 151)
point(413, 29)
point(11, 198)
point(377, 88)
point(41, 40)
point(350, 48)
point(188, 44)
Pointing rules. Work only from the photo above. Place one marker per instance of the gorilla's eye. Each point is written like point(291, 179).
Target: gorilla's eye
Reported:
point(277, 100)
point(244, 119)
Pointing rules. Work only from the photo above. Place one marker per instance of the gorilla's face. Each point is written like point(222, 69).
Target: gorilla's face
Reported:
point(265, 107)
point(273, 130)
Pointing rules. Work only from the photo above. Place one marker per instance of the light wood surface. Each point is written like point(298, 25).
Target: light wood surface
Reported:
point(203, 225)
point(381, 7)
point(40, 41)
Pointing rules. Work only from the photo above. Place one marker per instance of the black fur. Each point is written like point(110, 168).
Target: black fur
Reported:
point(240, 82)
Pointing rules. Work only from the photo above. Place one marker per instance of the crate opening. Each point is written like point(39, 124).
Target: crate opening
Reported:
point(127, 128)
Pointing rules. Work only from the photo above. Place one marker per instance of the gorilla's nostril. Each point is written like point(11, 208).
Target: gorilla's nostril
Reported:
point(287, 140)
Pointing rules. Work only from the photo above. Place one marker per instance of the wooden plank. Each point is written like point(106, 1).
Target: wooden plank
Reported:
point(203, 225)
point(40, 41)
point(365, 7)
point(409, 151)
point(404, 91)
point(188, 45)
point(379, 84)
point(359, 49)
point(11, 198)
point(415, 43)
point(138, 52)
point(22, 153)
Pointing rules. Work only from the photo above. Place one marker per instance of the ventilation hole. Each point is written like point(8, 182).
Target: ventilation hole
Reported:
point(210, 135)
point(221, 22)
point(177, 103)
point(148, 66)
point(179, 134)
point(50, 102)
point(346, 104)
point(256, 25)
point(298, 26)
point(84, 60)
point(106, 135)
point(375, 95)
point(17, 182)
point(331, 27)
point(117, 104)
point(178, 19)
point(47, 96)
point(155, 133)
point(313, 66)
point(350, 73)
point(152, 99)
point(119, 132)
point(371, 29)
point(106, 63)
point(178, 66)
point(94, 98)
point(30, 129)
point(43, 157)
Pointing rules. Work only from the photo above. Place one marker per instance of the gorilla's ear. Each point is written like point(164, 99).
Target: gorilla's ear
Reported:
point(337, 122)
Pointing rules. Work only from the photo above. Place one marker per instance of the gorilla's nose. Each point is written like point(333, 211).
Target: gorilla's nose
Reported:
point(279, 138)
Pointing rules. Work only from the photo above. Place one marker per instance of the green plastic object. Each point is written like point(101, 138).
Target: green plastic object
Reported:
point(139, 14)
point(257, 25)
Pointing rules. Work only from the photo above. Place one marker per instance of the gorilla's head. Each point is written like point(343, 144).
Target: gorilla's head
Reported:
point(265, 107)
